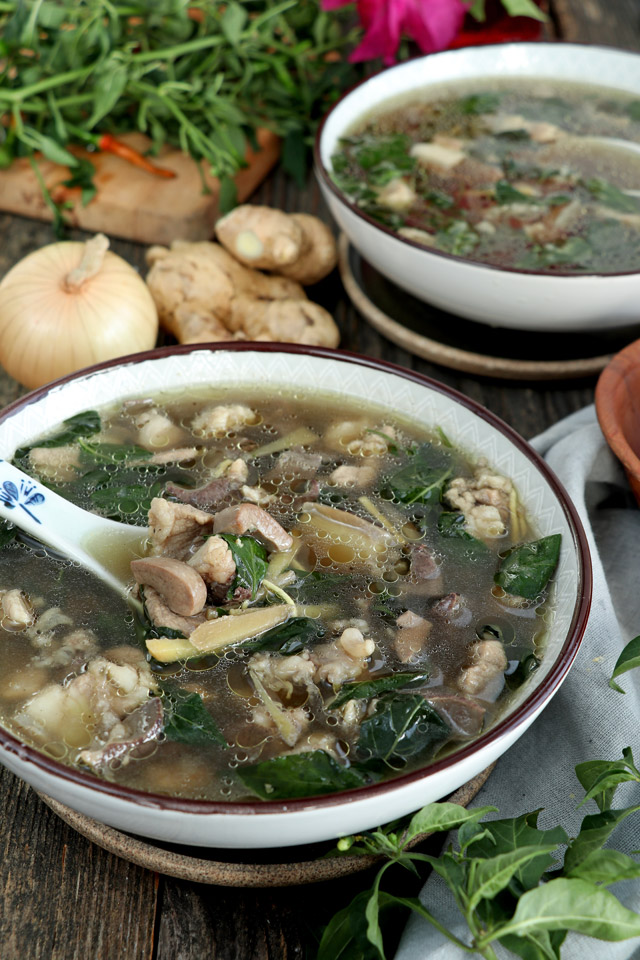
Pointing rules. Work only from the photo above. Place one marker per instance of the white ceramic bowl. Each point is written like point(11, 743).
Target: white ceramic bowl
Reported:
point(503, 297)
point(472, 428)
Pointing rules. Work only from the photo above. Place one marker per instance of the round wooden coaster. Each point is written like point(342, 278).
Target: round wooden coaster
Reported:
point(232, 868)
point(430, 333)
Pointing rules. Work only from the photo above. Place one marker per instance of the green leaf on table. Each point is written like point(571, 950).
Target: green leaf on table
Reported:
point(628, 660)
point(442, 817)
point(498, 837)
point(400, 727)
point(300, 775)
point(187, 720)
point(595, 830)
point(82, 177)
point(422, 479)
point(601, 778)
point(288, 638)
point(251, 562)
point(83, 424)
point(233, 21)
point(524, 8)
point(573, 904)
point(544, 945)
point(48, 147)
point(366, 689)
point(527, 568)
point(345, 937)
point(489, 876)
point(611, 196)
point(606, 867)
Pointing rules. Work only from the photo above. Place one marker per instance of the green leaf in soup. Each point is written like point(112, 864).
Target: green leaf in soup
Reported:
point(487, 102)
point(300, 775)
point(573, 904)
point(7, 532)
point(422, 479)
point(611, 196)
point(526, 569)
point(633, 109)
point(289, 638)
point(457, 238)
point(111, 452)
point(629, 659)
point(527, 665)
point(400, 727)
point(250, 557)
point(81, 425)
point(317, 585)
point(524, 8)
point(506, 194)
point(451, 525)
point(575, 251)
point(366, 689)
point(187, 720)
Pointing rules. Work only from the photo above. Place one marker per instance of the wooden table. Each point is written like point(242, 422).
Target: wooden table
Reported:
point(63, 898)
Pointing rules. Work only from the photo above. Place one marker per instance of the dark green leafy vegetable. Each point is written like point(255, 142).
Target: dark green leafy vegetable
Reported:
point(366, 689)
point(628, 660)
point(187, 720)
point(504, 878)
point(525, 667)
point(422, 479)
point(300, 775)
point(451, 524)
point(7, 532)
point(401, 726)
point(601, 778)
point(250, 557)
point(288, 638)
point(611, 196)
point(314, 586)
point(83, 424)
point(457, 238)
point(526, 569)
point(505, 193)
point(576, 251)
point(480, 103)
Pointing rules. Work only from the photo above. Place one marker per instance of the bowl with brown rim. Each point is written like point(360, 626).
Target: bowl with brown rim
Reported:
point(273, 823)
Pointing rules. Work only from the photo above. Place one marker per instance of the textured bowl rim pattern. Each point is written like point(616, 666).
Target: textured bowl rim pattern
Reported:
point(324, 177)
point(520, 714)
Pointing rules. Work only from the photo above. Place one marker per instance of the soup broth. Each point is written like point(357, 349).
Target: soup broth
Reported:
point(325, 599)
point(505, 173)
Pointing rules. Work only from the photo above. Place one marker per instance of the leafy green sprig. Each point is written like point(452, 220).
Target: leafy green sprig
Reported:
point(503, 875)
point(201, 76)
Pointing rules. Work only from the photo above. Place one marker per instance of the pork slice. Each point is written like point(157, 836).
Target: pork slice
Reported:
point(174, 527)
point(161, 616)
point(180, 586)
point(249, 518)
point(423, 563)
point(297, 462)
point(209, 496)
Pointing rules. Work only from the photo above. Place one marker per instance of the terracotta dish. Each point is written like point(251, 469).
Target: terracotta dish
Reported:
point(618, 408)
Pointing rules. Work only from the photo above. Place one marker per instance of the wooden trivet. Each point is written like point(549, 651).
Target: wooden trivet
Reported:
point(470, 346)
point(204, 865)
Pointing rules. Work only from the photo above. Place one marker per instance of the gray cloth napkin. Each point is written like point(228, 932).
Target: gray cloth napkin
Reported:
point(586, 720)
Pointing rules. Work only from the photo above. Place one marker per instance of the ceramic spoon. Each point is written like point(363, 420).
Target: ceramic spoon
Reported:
point(103, 546)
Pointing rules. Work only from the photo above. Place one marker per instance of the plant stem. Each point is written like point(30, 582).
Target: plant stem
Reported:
point(17, 96)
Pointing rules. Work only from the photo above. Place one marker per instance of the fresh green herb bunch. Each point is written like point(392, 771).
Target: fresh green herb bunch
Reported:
point(200, 75)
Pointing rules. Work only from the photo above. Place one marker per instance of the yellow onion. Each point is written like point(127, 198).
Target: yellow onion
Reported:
point(70, 305)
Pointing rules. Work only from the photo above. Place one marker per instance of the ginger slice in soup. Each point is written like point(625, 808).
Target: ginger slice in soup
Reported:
point(343, 537)
point(215, 634)
point(170, 649)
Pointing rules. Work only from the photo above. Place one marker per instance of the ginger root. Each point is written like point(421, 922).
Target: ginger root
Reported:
point(294, 245)
point(203, 294)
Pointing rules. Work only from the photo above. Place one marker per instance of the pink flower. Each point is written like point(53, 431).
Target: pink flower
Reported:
point(433, 24)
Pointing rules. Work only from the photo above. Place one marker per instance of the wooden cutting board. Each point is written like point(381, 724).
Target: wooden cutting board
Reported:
point(130, 202)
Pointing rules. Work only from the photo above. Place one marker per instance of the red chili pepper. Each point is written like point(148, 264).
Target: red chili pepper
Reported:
point(108, 143)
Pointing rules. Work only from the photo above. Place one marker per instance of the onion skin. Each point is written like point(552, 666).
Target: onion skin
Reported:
point(46, 332)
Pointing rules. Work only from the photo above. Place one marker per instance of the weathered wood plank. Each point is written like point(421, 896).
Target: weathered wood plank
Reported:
point(610, 22)
point(63, 898)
